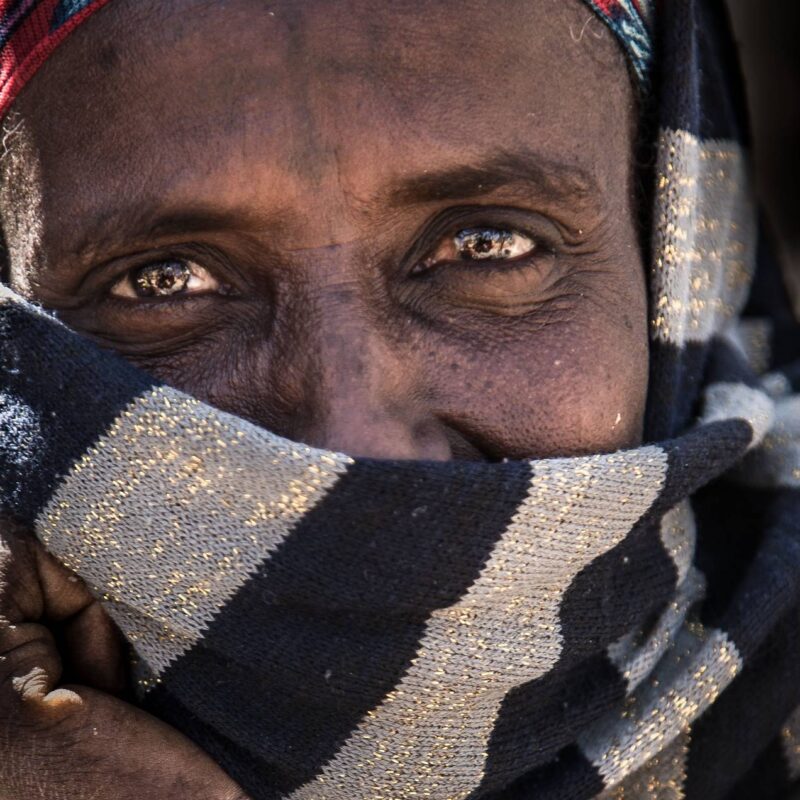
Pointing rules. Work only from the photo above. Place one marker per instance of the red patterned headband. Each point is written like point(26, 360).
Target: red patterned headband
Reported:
point(31, 29)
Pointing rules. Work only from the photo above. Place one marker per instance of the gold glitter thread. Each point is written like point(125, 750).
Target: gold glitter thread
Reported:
point(661, 778)
point(232, 491)
point(637, 654)
point(698, 666)
point(704, 252)
point(429, 737)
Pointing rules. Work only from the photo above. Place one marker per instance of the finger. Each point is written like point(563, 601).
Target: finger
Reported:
point(30, 667)
point(109, 750)
point(175, 766)
point(94, 652)
point(20, 593)
point(39, 588)
point(65, 595)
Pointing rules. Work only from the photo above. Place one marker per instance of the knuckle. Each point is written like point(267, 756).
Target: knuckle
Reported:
point(29, 664)
point(18, 576)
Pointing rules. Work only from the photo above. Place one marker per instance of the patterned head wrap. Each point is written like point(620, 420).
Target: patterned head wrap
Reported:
point(330, 628)
point(631, 21)
point(29, 32)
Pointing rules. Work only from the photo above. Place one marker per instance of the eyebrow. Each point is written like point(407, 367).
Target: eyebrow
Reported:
point(543, 177)
point(554, 180)
point(196, 220)
point(121, 223)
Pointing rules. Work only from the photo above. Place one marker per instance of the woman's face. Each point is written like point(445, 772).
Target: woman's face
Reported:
point(400, 230)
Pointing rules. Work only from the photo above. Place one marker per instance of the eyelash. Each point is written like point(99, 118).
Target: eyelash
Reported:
point(542, 246)
point(543, 233)
point(206, 257)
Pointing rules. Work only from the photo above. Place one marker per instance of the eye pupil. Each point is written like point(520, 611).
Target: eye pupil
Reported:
point(481, 243)
point(162, 279)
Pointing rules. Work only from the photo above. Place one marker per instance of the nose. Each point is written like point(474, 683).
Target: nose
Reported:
point(369, 431)
point(360, 395)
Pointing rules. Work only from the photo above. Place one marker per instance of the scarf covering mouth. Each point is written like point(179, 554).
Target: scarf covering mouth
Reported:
point(620, 625)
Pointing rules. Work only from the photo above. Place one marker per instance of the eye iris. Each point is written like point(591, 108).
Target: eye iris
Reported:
point(475, 244)
point(162, 279)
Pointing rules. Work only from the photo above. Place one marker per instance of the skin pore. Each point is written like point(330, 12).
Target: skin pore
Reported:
point(313, 200)
point(397, 230)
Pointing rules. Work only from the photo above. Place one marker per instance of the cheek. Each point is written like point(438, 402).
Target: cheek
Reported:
point(572, 387)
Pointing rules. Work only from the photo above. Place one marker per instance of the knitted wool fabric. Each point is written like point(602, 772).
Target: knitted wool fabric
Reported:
point(618, 625)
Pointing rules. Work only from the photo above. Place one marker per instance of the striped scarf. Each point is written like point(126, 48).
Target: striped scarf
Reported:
point(621, 625)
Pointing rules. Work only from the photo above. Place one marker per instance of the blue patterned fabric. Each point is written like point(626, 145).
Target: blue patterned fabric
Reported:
point(66, 9)
point(632, 23)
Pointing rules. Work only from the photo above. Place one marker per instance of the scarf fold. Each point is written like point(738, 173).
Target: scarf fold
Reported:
point(616, 625)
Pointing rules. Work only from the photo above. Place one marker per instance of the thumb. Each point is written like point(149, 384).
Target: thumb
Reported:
point(92, 649)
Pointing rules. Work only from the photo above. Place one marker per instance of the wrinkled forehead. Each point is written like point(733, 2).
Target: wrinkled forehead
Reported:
point(445, 68)
point(30, 32)
point(410, 51)
point(164, 98)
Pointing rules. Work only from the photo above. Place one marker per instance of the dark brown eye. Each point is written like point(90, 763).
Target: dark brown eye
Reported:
point(165, 279)
point(480, 244)
point(477, 244)
point(158, 280)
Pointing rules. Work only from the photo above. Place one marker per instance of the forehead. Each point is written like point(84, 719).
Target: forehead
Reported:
point(265, 99)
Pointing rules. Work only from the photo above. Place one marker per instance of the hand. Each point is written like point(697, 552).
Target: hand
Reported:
point(78, 741)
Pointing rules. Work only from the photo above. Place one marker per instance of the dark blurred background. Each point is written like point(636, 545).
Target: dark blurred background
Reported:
point(768, 32)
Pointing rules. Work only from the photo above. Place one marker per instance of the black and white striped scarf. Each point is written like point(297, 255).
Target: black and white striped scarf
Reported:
point(621, 625)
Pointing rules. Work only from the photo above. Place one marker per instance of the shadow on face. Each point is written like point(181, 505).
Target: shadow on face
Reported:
point(401, 230)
